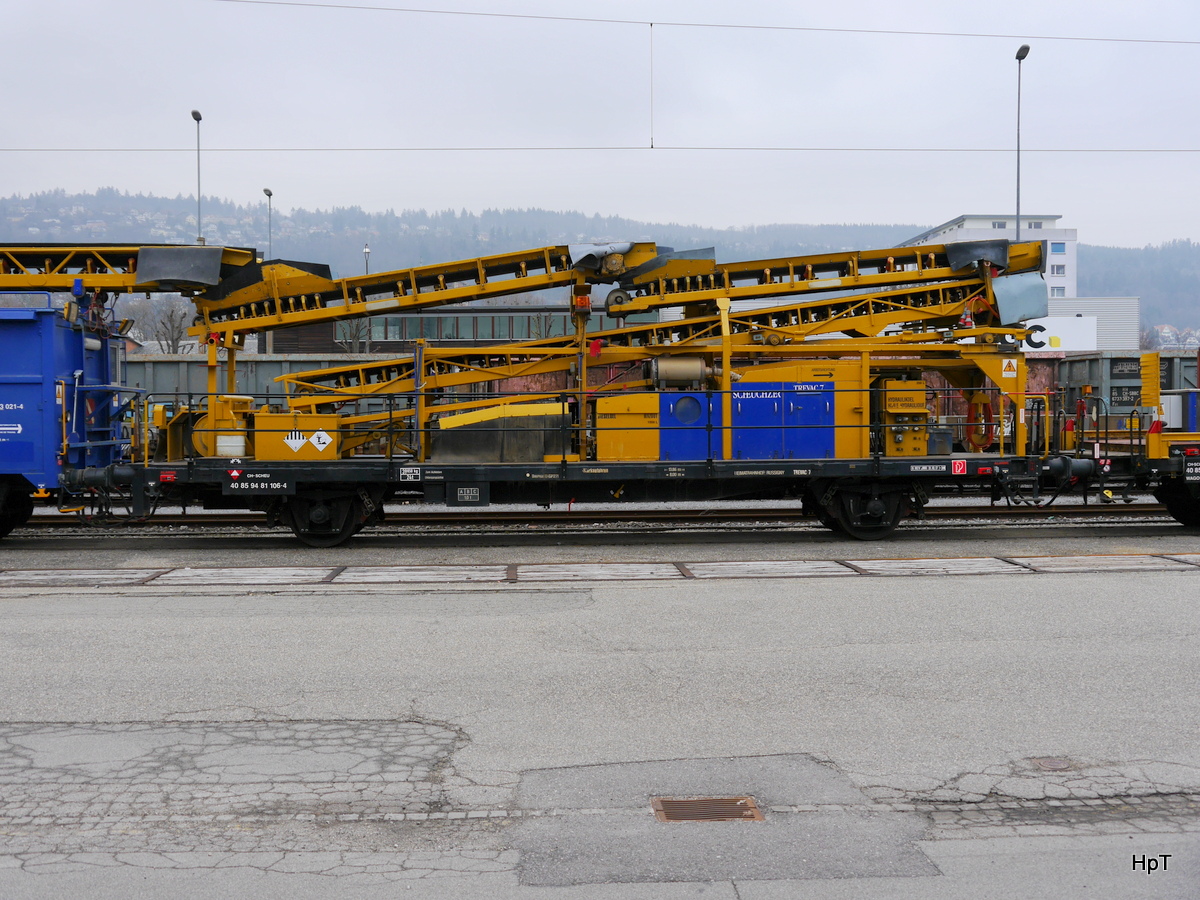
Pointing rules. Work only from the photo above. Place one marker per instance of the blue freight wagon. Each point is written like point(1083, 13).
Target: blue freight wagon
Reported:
point(62, 406)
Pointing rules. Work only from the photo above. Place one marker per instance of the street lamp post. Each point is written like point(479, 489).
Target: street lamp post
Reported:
point(267, 191)
point(199, 227)
point(1022, 52)
point(366, 259)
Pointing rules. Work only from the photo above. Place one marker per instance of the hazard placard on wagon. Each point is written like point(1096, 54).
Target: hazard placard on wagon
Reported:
point(295, 436)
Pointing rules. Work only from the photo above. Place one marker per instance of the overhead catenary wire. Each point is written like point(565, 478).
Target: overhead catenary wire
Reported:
point(820, 29)
point(706, 148)
point(651, 144)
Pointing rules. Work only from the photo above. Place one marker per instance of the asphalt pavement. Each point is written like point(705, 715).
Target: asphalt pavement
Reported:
point(231, 731)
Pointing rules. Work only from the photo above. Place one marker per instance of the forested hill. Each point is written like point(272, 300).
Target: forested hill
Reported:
point(1167, 277)
point(397, 240)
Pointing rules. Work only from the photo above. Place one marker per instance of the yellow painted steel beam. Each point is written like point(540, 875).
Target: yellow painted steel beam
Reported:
point(453, 373)
point(286, 295)
point(107, 267)
point(819, 273)
point(864, 314)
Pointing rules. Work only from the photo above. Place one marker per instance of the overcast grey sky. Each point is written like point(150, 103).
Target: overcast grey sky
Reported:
point(809, 121)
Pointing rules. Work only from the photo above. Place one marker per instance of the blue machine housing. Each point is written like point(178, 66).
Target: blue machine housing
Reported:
point(689, 425)
point(791, 420)
point(60, 400)
point(787, 420)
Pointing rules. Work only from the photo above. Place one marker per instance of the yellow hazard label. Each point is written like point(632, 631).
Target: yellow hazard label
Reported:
point(1010, 369)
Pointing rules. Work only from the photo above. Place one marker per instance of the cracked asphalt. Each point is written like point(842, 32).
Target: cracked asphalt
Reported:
point(963, 735)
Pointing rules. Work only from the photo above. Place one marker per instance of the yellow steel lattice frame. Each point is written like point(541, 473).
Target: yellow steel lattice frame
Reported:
point(861, 315)
point(106, 267)
point(286, 296)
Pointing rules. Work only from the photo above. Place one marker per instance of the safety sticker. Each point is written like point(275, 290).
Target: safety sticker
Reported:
point(320, 440)
point(958, 467)
point(1010, 369)
point(295, 440)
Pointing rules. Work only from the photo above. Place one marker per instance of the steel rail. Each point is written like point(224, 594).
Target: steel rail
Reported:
point(689, 516)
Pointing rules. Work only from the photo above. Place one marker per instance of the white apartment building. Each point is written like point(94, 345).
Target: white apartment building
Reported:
point(1061, 266)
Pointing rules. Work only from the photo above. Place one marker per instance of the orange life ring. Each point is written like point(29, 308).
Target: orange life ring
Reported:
point(981, 425)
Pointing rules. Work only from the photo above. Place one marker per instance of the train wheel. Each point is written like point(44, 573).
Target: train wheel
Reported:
point(813, 507)
point(324, 521)
point(15, 511)
point(830, 521)
point(1180, 502)
point(870, 516)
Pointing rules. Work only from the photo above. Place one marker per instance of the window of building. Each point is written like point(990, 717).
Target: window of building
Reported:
point(1058, 270)
point(1035, 224)
point(1058, 246)
point(1058, 292)
point(999, 223)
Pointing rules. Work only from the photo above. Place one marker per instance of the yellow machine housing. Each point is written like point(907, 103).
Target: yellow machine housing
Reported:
point(627, 427)
point(296, 436)
point(905, 418)
point(221, 431)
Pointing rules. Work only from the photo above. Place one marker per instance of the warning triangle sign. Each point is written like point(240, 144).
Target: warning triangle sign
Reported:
point(295, 440)
point(1010, 369)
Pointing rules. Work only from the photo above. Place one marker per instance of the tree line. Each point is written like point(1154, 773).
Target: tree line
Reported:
point(1165, 276)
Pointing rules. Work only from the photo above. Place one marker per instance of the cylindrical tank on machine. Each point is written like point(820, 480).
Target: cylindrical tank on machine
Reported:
point(680, 371)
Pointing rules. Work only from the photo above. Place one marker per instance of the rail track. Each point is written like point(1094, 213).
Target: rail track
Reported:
point(694, 517)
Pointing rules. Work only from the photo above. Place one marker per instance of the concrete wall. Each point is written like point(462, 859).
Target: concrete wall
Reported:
point(184, 373)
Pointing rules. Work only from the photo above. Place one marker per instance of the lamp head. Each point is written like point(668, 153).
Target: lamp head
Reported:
point(267, 191)
point(1022, 52)
point(196, 114)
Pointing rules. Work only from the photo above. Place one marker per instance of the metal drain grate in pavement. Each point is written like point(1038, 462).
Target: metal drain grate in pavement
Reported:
point(706, 809)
